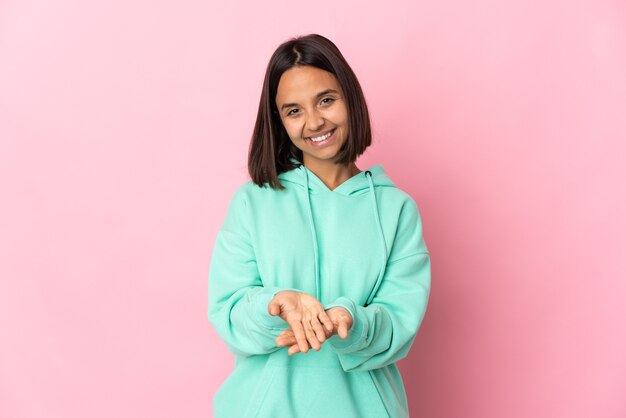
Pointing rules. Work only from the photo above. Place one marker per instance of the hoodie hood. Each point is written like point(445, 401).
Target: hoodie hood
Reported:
point(358, 184)
point(363, 182)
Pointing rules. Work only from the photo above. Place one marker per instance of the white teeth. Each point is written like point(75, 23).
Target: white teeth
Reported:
point(321, 138)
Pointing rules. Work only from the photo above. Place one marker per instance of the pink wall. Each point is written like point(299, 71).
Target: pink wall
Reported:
point(124, 128)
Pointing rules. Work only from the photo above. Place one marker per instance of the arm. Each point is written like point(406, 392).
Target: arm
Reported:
point(238, 301)
point(383, 332)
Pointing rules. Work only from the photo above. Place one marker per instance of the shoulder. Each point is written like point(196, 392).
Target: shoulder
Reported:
point(244, 189)
point(408, 236)
point(241, 195)
point(401, 200)
point(251, 195)
point(244, 203)
point(250, 190)
point(397, 194)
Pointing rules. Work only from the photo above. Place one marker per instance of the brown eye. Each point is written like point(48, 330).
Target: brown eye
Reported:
point(330, 100)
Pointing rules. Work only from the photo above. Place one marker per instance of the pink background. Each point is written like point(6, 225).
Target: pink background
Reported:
point(124, 128)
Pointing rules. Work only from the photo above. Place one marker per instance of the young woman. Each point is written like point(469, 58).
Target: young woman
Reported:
point(316, 253)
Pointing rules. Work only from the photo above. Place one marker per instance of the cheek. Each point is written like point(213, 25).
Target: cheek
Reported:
point(341, 116)
point(344, 126)
point(293, 129)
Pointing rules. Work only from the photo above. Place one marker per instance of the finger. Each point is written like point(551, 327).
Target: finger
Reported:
point(326, 321)
point(273, 307)
point(329, 333)
point(286, 338)
point(281, 341)
point(310, 334)
point(319, 330)
point(287, 332)
point(298, 331)
point(343, 329)
point(293, 349)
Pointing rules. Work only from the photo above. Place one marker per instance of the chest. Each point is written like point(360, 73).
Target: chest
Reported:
point(341, 240)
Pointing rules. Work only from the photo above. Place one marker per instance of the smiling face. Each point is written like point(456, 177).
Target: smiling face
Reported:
point(313, 111)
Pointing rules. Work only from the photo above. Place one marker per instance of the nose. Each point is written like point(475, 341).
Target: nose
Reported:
point(314, 121)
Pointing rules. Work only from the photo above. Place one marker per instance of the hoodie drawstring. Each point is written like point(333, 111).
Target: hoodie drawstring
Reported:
point(312, 225)
point(382, 240)
point(380, 234)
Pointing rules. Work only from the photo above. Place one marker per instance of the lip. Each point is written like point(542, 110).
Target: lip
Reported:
point(328, 141)
point(321, 134)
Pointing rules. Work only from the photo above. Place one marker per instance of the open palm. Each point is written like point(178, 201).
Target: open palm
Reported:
point(340, 318)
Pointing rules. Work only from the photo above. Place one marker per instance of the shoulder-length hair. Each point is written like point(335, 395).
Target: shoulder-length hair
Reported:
point(271, 151)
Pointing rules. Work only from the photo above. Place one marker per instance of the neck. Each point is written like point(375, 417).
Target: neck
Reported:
point(331, 174)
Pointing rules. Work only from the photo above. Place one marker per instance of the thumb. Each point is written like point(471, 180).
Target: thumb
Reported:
point(343, 329)
point(273, 308)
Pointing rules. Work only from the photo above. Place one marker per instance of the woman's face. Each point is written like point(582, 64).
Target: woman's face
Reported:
point(313, 111)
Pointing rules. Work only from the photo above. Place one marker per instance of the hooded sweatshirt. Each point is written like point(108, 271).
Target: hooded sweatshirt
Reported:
point(359, 246)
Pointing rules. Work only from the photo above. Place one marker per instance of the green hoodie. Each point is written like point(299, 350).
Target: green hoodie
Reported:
point(358, 246)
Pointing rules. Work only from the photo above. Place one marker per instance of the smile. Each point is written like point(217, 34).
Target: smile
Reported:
point(321, 137)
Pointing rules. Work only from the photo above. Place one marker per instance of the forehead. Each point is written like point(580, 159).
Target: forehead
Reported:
point(304, 82)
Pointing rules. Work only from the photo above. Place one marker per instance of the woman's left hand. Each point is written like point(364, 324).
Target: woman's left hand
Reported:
point(341, 319)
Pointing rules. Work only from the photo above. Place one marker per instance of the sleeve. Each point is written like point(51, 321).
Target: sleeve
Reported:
point(238, 301)
point(383, 331)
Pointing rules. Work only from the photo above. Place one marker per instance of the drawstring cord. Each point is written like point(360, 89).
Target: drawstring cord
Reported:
point(382, 239)
point(314, 235)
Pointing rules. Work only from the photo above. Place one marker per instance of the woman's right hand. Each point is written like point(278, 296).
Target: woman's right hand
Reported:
point(304, 314)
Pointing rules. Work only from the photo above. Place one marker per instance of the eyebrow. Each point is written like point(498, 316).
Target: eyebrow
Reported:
point(320, 94)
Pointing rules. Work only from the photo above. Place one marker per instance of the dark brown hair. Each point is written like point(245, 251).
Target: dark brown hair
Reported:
point(271, 149)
